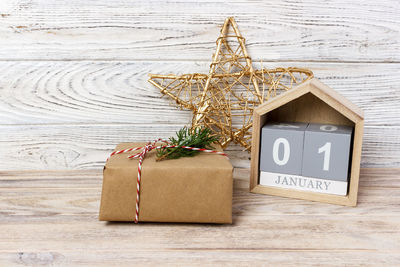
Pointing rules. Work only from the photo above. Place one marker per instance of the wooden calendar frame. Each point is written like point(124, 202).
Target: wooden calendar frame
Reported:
point(310, 102)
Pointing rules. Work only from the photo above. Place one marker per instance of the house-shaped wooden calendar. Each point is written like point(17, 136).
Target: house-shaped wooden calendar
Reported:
point(285, 157)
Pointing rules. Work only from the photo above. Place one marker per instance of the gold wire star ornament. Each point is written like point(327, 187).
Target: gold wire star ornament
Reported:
point(224, 99)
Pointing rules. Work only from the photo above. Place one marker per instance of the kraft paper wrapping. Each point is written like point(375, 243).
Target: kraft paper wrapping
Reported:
point(190, 189)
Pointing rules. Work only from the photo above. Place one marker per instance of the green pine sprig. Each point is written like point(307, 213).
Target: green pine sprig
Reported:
point(200, 137)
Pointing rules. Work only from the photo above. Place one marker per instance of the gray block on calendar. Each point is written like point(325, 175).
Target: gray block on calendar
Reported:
point(282, 147)
point(327, 151)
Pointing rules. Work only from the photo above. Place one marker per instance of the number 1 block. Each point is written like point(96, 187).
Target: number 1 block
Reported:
point(282, 147)
point(326, 152)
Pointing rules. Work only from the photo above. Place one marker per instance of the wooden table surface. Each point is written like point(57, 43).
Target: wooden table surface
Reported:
point(51, 218)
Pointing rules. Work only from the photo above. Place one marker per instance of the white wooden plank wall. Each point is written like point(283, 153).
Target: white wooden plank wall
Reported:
point(73, 73)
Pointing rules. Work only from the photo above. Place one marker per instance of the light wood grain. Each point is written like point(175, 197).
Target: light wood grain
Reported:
point(58, 115)
point(118, 92)
point(231, 257)
point(27, 147)
point(186, 30)
point(51, 218)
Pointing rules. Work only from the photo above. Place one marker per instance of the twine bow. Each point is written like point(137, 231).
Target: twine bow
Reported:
point(147, 148)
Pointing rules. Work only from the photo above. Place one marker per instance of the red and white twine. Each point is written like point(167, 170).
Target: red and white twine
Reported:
point(147, 148)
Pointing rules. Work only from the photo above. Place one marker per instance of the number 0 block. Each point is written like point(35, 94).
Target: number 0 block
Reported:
point(282, 147)
point(326, 152)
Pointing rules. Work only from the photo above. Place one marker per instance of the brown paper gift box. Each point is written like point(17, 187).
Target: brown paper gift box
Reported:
point(190, 189)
